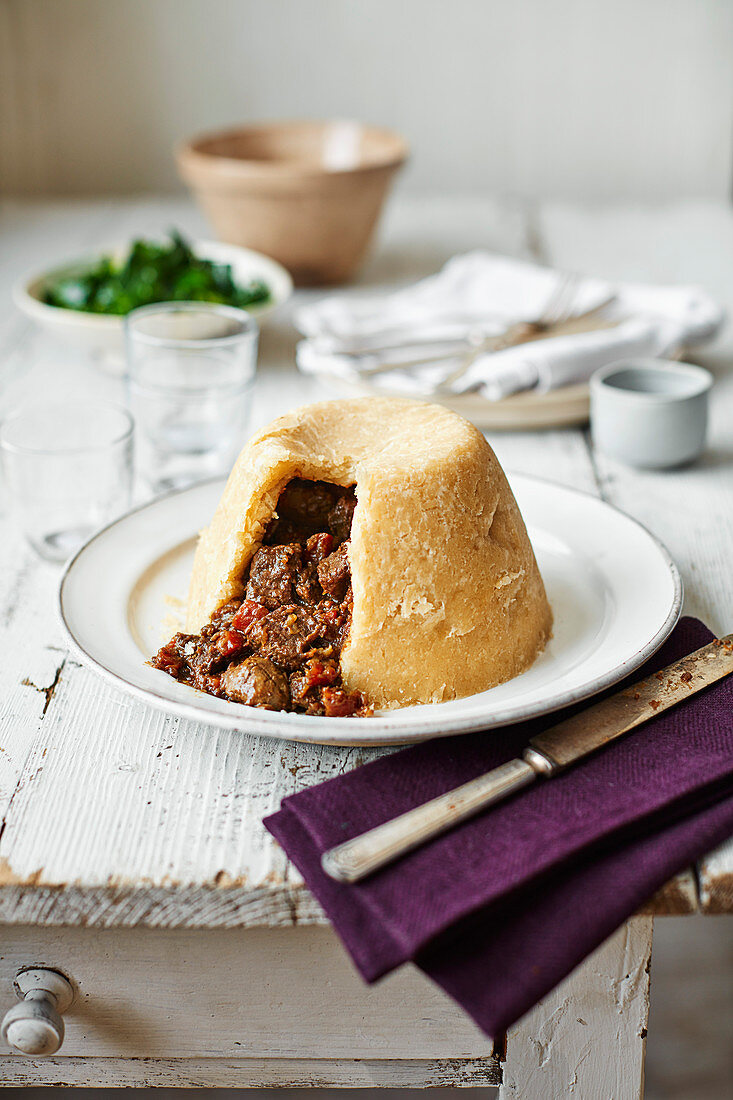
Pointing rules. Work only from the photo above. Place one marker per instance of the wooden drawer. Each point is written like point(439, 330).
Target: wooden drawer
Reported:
point(279, 999)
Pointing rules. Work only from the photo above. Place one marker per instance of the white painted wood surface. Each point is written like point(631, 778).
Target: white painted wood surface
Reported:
point(260, 993)
point(114, 815)
point(159, 821)
point(587, 1039)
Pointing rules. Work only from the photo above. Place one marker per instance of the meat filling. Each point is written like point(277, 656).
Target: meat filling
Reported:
point(279, 648)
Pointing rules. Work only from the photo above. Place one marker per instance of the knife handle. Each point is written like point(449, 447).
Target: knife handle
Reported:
point(359, 857)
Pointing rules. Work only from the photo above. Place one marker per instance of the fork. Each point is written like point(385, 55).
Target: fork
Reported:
point(558, 310)
point(555, 312)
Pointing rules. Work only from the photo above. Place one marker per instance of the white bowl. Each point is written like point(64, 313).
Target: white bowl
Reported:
point(102, 335)
point(650, 413)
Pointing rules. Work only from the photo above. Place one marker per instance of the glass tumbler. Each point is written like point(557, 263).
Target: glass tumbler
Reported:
point(191, 370)
point(68, 470)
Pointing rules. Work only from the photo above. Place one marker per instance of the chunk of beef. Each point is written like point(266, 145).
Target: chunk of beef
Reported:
point(334, 619)
point(257, 682)
point(223, 617)
point(318, 547)
point(173, 658)
point(193, 660)
point(213, 652)
point(307, 588)
point(334, 572)
point(341, 515)
point(286, 635)
point(306, 503)
point(280, 532)
point(306, 508)
point(304, 683)
point(273, 575)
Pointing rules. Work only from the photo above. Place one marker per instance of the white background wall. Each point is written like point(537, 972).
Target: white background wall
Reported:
point(587, 99)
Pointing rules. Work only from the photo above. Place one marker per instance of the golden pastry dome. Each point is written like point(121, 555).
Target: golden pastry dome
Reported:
point(447, 596)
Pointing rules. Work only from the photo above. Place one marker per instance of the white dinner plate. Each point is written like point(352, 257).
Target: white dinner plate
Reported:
point(614, 592)
point(564, 407)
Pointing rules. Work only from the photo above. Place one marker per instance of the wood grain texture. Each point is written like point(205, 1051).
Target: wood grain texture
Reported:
point(251, 1073)
point(588, 1037)
point(156, 820)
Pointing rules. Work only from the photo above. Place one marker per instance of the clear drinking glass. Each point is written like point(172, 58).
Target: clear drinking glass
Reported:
point(191, 370)
point(68, 470)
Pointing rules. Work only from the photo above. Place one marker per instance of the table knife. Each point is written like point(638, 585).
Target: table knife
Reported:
point(547, 754)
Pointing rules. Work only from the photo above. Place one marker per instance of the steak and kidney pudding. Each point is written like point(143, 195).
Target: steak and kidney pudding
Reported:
point(364, 554)
point(279, 647)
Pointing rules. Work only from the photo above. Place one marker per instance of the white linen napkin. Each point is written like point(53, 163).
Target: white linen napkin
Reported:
point(481, 294)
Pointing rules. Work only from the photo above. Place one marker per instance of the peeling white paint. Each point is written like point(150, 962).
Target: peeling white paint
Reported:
point(587, 1038)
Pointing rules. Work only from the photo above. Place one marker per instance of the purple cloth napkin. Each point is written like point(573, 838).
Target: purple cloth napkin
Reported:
point(502, 908)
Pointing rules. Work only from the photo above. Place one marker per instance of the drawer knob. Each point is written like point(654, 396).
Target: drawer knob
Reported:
point(35, 1026)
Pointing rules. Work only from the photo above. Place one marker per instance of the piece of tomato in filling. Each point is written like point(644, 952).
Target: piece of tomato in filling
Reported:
point(250, 612)
point(230, 642)
point(169, 659)
point(338, 703)
point(318, 674)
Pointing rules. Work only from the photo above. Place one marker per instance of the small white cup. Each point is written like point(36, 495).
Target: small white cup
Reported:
point(651, 413)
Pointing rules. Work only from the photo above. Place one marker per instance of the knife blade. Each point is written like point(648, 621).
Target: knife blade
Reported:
point(547, 754)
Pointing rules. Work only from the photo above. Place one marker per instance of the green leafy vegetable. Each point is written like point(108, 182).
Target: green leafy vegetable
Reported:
point(153, 272)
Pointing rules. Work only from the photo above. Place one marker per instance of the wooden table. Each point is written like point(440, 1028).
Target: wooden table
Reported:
point(132, 854)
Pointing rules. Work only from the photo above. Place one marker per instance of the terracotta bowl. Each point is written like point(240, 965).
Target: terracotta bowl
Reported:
point(309, 194)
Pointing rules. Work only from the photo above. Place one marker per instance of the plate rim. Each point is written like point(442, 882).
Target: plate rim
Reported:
point(564, 406)
point(380, 737)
